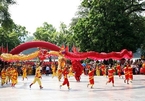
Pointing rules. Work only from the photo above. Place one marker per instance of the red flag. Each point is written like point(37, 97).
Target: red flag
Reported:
point(1, 49)
point(4, 50)
point(74, 49)
point(63, 47)
point(67, 48)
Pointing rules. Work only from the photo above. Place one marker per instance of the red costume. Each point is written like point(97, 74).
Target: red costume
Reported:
point(130, 72)
point(91, 78)
point(118, 67)
point(142, 70)
point(65, 72)
point(111, 76)
point(78, 69)
point(103, 69)
point(126, 73)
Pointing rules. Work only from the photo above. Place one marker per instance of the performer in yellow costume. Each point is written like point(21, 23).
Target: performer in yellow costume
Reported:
point(61, 62)
point(97, 70)
point(8, 73)
point(53, 67)
point(24, 70)
point(37, 76)
point(3, 76)
point(14, 76)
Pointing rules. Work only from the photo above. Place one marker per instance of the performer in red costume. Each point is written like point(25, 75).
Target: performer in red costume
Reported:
point(126, 73)
point(91, 77)
point(103, 69)
point(130, 73)
point(143, 64)
point(118, 67)
point(65, 72)
point(111, 75)
point(142, 69)
point(78, 69)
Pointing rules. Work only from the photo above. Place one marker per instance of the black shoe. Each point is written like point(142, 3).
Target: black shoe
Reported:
point(41, 87)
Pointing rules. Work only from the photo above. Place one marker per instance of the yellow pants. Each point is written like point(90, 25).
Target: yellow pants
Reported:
point(24, 75)
point(59, 76)
point(98, 72)
point(38, 80)
point(8, 78)
point(3, 81)
point(14, 80)
point(53, 73)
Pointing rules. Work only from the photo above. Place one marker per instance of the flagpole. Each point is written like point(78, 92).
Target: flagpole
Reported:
point(7, 48)
point(2, 47)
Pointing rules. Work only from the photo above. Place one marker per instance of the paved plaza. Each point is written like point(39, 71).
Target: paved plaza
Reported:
point(134, 91)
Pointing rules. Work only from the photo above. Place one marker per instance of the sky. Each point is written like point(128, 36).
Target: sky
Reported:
point(33, 13)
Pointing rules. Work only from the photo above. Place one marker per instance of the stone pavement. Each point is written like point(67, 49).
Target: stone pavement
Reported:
point(134, 91)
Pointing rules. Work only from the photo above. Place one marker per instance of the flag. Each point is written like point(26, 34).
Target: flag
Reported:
point(1, 48)
point(62, 47)
point(67, 48)
point(4, 50)
point(74, 49)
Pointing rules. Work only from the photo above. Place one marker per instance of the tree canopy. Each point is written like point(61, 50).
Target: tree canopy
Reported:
point(5, 18)
point(14, 37)
point(48, 33)
point(110, 25)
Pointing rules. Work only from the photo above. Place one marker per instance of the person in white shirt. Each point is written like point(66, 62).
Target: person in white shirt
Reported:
point(47, 70)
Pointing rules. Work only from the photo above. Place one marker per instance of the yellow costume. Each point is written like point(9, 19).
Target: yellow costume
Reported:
point(8, 74)
point(14, 76)
point(24, 70)
point(37, 77)
point(3, 76)
point(53, 70)
point(61, 62)
point(70, 72)
point(97, 70)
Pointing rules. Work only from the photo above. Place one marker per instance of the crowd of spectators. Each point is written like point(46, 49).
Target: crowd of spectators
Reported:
point(46, 69)
point(135, 64)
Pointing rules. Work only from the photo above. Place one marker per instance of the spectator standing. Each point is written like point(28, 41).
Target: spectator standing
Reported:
point(47, 70)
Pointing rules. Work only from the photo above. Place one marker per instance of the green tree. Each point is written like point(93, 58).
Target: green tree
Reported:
point(110, 25)
point(81, 13)
point(29, 38)
point(45, 32)
point(48, 33)
point(65, 36)
point(5, 18)
point(14, 37)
